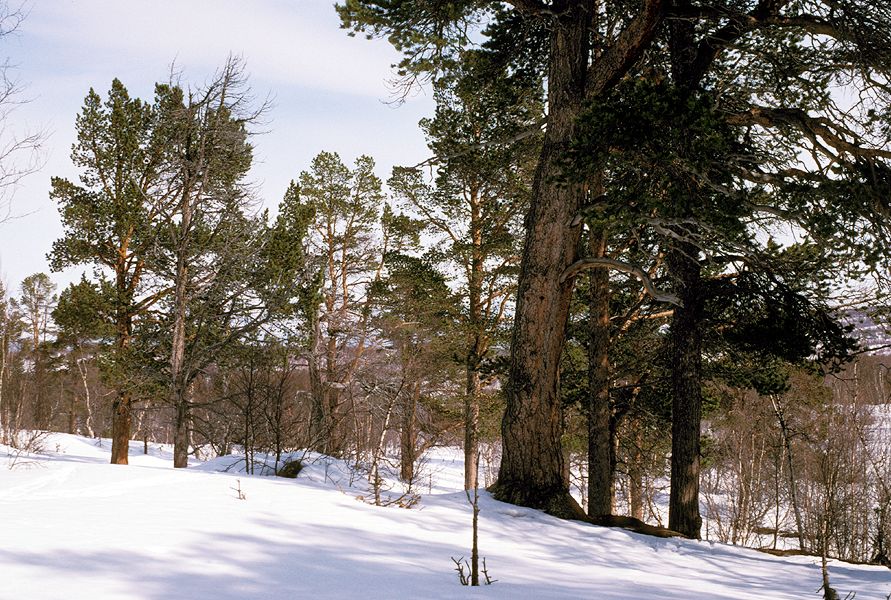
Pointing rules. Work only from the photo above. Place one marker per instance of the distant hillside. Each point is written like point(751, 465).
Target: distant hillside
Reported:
point(874, 333)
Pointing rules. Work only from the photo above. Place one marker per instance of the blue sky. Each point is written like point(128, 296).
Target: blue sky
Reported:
point(329, 91)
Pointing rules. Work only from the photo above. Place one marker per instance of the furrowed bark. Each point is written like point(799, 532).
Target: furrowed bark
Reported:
point(532, 466)
point(122, 406)
point(600, 472)
point(531, 471)
point(686, 382)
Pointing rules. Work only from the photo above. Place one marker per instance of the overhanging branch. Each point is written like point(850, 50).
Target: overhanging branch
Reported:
point(584, 264)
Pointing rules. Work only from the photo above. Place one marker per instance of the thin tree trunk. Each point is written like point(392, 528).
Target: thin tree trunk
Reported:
point(4, 358)
point(635, 471)
point(72, 414)
point(471, 424)
point(475, 545)
point(317, 393)
point(476, 343)
point(787, 448)
point(82, 370)
point(600, 467)
point(378, 451)
point(408, 434)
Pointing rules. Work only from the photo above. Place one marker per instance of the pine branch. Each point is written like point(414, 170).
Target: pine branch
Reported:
point(584, 264)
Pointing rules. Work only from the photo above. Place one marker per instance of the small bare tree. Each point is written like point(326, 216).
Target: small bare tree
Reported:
point(20, 151)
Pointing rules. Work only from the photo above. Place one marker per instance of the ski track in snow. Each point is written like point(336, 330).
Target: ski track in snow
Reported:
point(76, 528)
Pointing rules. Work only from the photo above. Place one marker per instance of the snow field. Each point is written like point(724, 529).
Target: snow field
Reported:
point(75, 527)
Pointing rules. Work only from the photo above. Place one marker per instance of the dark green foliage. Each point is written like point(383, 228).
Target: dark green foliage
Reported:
point(284, 255)
point(290, 470)
point(429, 34)
point(85, 311)
point(119, 153)
point(682, 172)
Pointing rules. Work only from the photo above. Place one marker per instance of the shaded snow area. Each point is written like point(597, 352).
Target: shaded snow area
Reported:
point(74, 527)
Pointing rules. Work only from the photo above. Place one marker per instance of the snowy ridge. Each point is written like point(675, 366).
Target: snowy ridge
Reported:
point(77, 528)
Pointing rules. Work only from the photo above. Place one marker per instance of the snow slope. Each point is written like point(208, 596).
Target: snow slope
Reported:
point(74, 527)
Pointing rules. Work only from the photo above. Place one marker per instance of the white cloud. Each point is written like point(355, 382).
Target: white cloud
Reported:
point(296, 42)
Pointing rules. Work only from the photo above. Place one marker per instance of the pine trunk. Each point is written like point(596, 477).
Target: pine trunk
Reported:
point(178, 344)
point(331, 393)
point(686, 381)
point(121, 420)
point(471, 426)
point(317, 393)
point(122, 406)
point(476, 347)
point(181, 436)
point(408, 434)
point(635, 471)
point(600, 463)
point(531, 472)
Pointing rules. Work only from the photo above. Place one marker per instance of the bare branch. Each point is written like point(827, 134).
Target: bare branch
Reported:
point(815, 128)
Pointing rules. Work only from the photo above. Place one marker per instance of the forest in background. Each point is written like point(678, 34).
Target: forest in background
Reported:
point(631, 269)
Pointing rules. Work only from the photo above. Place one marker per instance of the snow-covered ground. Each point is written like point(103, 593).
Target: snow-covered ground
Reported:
point(75, 527)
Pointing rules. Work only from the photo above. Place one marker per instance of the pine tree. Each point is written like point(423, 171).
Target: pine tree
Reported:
point(110, 218)
point(554, 39)
point(37, 301)
point(213, 247)
point(475, 206)
point(84, 332)
point(346, 204)
point(724, 169)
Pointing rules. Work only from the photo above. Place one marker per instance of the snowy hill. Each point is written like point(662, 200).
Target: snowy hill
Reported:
point(77, 528)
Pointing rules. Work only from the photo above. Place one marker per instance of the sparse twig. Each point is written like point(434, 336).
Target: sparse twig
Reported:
point(489, 580)
point(459, 567)
point(238, 491)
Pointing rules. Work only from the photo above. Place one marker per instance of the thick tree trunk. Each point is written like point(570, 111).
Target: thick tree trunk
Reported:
point(686, 381)
point(686, 328)
point(121, 420)
point(181, 435)
point(122, 406)
point(600, 462)
point(531, 472)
